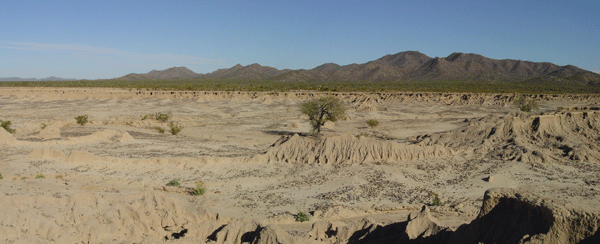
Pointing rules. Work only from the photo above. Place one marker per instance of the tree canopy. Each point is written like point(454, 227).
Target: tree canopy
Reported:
point(321, 110)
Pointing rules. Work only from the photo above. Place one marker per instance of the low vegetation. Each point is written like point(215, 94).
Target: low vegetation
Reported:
point(200, 188)
point(162, 117)
point(82, 119)
point(301, 217)
point(435, 201)
point(526, 105)
point(321, 110)
point(159, 129)
point(372, 123)
point(174, 182)
point(40, 176)
point(6, 125)
point(1, 176)
point(361, 135)
point(531, 86)
point(174, 128)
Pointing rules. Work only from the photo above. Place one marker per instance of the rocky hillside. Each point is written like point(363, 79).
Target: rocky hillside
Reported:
point(405, 66)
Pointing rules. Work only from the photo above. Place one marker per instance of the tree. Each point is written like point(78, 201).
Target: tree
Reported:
point(526, 105)
point(321, 110)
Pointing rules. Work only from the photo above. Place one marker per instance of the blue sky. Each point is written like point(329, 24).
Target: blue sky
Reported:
point(108, 39)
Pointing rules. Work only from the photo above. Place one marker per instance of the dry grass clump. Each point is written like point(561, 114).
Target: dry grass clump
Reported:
point(174, 182)
point(174, 128)
point(82, 119)
point(200, 188)
point(6, 125)
point(372, 123)
point(159, 129)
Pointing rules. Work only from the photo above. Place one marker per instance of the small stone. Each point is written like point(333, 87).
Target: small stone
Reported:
point(489, 178)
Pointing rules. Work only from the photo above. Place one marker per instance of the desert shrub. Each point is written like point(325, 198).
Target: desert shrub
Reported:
point(173, 182)
point(6, 125)
point(361, 134)
point(301, 217)
point(162, 117)
point(372, 123)
point(174, 128)
point(435, 201)
point(40, 176)
point(321, 110)
point(44, 125)
point(200, 188)
point(526, 105)
point(1, 176)
point(146, 116)
point(81, 119)
point(159, 129)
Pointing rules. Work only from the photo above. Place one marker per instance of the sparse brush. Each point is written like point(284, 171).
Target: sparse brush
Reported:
point(372, 123)
point(159, 129)
point(174, 128)
point(40, 176)
point(361, 135)
point(1, 176)
point(162, 117)
point(526, 105)
point(173, 182)
point(200, 188)
point(301, 217)
point(436, 200)
point(82, 119)
point(6, 125)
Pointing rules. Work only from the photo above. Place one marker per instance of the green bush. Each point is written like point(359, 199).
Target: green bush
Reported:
point(526, 105)
point(321, 110)
point(372, 123)
point(175, 128)
point(159, 129)
point(173, 182)
point(81, 119)
point(1, 176)
point(361, 135)
point(200, 188)
point(436, 200)
point(6, 125)
point(162, 117)
point(301, 217)
point(40, 176)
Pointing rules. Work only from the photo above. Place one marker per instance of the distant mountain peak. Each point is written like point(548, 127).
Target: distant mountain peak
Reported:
point(407, 65)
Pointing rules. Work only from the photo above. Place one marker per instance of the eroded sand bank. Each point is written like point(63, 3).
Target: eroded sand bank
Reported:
point(105, 182)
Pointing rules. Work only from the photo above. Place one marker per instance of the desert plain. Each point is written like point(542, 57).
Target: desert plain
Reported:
point(106, 181)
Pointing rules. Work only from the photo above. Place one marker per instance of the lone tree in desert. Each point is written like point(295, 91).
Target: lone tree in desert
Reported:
point(321, 110)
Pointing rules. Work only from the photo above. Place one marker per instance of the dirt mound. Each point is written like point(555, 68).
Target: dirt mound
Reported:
point(6, 137)
point(573, 135)
point(50, 132)
point(507, 216)
point(147, 217)
point(347, 149)
point(511, 216)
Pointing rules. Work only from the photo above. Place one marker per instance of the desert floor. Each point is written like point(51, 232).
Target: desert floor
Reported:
point(239, 145)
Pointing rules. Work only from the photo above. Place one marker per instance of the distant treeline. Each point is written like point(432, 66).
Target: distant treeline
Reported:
point(530, 86)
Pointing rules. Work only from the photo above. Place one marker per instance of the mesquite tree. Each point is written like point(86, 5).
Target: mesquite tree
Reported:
point(321, 110)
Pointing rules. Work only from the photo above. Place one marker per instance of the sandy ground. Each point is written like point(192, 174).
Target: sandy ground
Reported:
point(228, 142)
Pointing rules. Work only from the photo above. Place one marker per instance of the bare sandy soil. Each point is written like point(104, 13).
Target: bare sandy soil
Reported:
point(104, 182)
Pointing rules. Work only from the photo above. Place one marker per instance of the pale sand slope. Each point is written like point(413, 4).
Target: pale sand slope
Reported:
point(104, 181)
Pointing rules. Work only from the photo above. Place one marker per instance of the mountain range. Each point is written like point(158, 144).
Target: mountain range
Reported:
point(405, 66)
point(51, 78)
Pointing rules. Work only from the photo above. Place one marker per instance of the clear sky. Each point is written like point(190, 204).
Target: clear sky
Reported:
point(107, 39)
